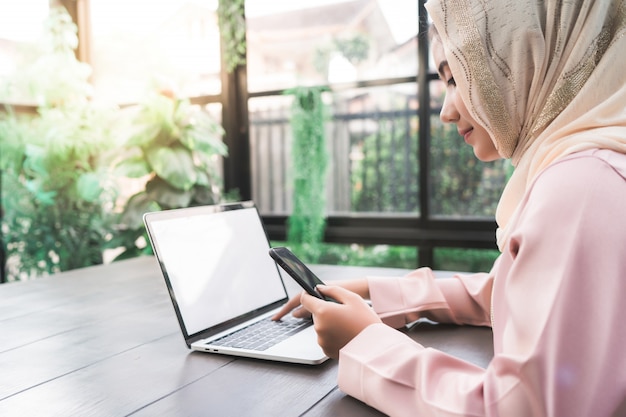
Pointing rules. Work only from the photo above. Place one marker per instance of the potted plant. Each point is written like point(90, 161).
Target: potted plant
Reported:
point(174, 148)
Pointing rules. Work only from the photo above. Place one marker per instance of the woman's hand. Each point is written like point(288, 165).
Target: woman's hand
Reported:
point(338, 323)
point(293, 306)
point(359, 286)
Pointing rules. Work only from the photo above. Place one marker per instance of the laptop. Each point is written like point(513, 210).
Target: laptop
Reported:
point(223, 283)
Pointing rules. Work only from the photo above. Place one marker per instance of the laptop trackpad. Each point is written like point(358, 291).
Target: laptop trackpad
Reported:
point(304, 344)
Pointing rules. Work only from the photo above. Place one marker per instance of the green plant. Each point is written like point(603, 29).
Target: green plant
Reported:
point(310, 159)
point(357, 255)
point(462, 185)
point(386, 178)
point(175, 147)
point(389, 256)
point(60, 200)
point(58, 193)
point(233, 32)
point(466, 260)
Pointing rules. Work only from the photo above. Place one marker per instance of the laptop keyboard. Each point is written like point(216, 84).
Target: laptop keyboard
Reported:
point(263, 334)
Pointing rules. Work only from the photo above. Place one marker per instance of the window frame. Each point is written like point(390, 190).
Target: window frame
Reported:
point(424, 231)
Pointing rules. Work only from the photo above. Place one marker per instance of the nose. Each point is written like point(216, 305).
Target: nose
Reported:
point(449, 112)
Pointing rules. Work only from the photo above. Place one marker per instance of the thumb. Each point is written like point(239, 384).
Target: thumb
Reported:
point(310, 302)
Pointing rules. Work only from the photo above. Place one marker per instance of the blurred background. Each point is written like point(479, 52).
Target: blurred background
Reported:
point(324, 113)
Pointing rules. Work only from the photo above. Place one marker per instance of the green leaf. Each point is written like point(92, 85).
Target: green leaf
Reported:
point(205, 195)
point(204, 180)
point(136, 206)
point(44, 197)
point(166, 195)
point(143, 134)
point(203, 140)
point(35, 160)
point(88, 187)
point(135, 167)
point(174, 165)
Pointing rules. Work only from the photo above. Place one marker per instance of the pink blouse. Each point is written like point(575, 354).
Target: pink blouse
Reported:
point(559, 314)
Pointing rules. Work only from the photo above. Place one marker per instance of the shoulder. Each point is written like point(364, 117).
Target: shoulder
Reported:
point(591, 173)
point(599, 158)
point(585, 191)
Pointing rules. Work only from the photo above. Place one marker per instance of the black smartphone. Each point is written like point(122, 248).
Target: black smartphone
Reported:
point(298, 271)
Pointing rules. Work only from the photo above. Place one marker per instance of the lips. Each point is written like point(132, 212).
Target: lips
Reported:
point(466, 133)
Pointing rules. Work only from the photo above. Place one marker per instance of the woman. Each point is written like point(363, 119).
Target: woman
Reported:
point(542, 83)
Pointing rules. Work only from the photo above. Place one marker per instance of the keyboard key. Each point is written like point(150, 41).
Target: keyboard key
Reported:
point(263, 334)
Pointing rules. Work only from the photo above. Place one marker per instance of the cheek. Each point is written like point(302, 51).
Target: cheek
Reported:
point(487, 148)
point(460, 105)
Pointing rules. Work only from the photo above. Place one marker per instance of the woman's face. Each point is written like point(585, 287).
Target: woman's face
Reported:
point(454, 110)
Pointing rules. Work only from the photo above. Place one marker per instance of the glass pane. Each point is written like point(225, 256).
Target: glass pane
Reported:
point(21, 32)
point(462, 186)
point(315, 42)
point(372, 141)
point(385, 256)
point(383, 127)
point(464, 260)
point(167, 45)
point(22, 20)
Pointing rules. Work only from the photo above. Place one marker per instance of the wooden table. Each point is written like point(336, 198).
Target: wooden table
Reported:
point(104, 341)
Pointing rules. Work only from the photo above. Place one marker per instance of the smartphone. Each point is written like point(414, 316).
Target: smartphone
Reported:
point(298, 271)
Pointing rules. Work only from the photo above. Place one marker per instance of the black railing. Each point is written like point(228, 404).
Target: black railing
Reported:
point(373, 160)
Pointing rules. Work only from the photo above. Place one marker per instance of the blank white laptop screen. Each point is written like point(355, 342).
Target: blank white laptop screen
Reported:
point(212, 256)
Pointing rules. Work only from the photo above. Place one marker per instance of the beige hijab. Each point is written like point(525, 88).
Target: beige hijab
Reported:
point(546, 78)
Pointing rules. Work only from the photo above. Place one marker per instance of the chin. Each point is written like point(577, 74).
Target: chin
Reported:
point(486, 156)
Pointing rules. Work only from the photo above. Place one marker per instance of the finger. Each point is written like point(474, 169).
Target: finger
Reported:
point(310, 302)
point(338, 293)
point(290, 305)
point(301, 313)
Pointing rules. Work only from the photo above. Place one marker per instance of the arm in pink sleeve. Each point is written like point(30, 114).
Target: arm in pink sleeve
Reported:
point(558, 327)
point(461, 299)
point(389, 371)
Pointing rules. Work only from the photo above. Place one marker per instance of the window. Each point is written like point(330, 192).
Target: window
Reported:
point(372, 136)
point(166, 45)
point(21, 21)
point(21, 27)
point(372, 146)
point(316, 42)
point(398, 175)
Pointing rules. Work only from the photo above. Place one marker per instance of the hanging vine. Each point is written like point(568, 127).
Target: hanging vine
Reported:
point(232, 25)
point(310, 159)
